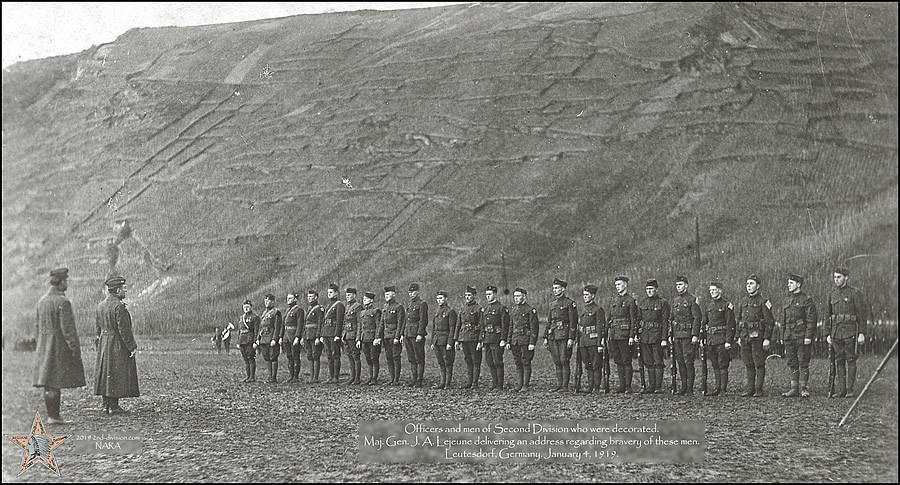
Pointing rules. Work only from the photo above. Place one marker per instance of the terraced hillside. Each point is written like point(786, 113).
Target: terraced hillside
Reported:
point(211, 164)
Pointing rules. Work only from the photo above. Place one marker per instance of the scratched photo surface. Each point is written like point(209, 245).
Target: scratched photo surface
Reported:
point(218, 159)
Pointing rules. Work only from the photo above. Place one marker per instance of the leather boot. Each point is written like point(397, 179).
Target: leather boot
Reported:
point(493, 377)
point(804, 382)
point(252, 371)
point(566, 374)
point(691, 375)
point(651, 386)
point(317, 367)
point(373, 372)
point(724, 389)
point(629, 373)
point(559, 377)
point(413, 374)
point(420, 374)
point(443, 383)
point(477, 377)
point(794, 391)
point(589, 375)
point(469, 376)
point(275, 371)
point(290, 372)
point(247, 372)
point(337, 370)
point(750, 389)
point(760, 382)
point(358, 366)
point(520, 378)
point(105, 408)
point(449, 383)
point(851, 378)
point(718, 374)
point(660, 379)
point(526, 379)
point(842, 382)
point(620, 372)
point(500, 377)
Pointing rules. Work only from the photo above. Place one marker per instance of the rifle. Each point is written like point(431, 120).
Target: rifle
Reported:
point(705, 373)
point(578, 370)
point(674, 367)
point(641, 362)
point(832, 370)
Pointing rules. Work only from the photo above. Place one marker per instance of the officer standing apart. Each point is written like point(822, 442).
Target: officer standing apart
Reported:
point(468, 337)
point(349, 334)
point(291, 343)
point(116, 366)
point(58, 364)
point(846, 316)
point(248, 328)
point(392, 316)
point(686, 318)
point(799, 328)
point(370, 335)
point(653, 332)
point(332, 327)
point(444, 325)
point(755, 323)
point(523, 337)
point(591, 338)
point(312, 334)
point(414, 333)
point(719, 323)
point(623, 316)
point(496, 332)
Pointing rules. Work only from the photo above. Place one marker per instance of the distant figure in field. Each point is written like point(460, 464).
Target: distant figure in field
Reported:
point(116, 366)
point(216, 339)
point(58, 364)
point(226, 337)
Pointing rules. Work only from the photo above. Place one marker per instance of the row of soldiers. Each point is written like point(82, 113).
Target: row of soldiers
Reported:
point(620, 329)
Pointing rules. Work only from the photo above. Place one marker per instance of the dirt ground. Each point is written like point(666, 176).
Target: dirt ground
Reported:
point(200, 423)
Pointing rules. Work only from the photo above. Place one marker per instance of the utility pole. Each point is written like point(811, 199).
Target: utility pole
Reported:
point(697, 238)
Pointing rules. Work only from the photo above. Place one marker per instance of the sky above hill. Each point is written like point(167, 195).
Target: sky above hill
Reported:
point(34, 30)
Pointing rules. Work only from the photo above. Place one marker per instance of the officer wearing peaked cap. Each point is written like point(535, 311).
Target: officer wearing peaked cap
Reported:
point(370, 335)
point(271, 333)
point(116, 368)
point(444, 326)
point(562, 328)
point(393, 314)
point(685, 319)
point(248, 327)
point(58, 364)
point(312, 334)
point(413, 335)
point(349, 334)
point(719, 323)
point(292, 342)
point(799, 317)
point(653, 331)
point(591, 338)
point(755, 324)
point(468, 336)
point(622, 316)
point(332, 326)
point(846, 316)
point(495, 333)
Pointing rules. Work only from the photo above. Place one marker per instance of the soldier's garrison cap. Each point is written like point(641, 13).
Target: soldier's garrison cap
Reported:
point(351, 290)
point(442, 293)
point(471, 289)
point(248, 302)
point(60, 272)
point(557, 281)
point(621, 278)
point(652, 282)
point(796, 277)
point(521, 290)
point(312, 292)
point(490, 288)
point(681, 279)
point(414, 287)
point(592, 289)
point(369, 295)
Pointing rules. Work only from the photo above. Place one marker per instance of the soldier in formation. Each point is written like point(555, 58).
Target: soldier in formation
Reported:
point(799, 317)
point(846, 314)
point(685, 321)
point(330, 336)
point(562, 326)
point(755, 323)
point(248, 327)
point(495, 333)
point(393, 315)
point(370, 335)
point(719, 325)
point(413, 336)
point(591, 338)
point(654, 314)
point(468, 338)
point(349, 334)
point(622, 318)
point(523, 337)
point(312, 334)
point(271, 331)
point(292, 341)
point(443, 344)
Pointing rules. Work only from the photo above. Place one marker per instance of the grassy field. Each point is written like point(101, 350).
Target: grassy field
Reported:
point(200, 423)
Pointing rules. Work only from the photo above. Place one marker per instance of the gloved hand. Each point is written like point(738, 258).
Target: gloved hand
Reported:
point(807, 341)
point(766, 344)
point(419, 338)
point(358, 344)
point(727, 346)
point(861, 339)
point(663, 343)
point(630, 340)
point(503, 343)
point(531, 347)
point(828, 339)
point(694, 340)
point(570, 343)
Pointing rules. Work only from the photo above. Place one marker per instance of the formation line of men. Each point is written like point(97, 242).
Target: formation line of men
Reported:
point(623, 329)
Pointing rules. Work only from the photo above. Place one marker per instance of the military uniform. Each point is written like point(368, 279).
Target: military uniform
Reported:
point(58, 362)
point(622, 316)
point(755, 324)
point(116, 368)
point(524, 333)
point(686, 318)
point(495, 330)
point(846, 316)
point(350, 332)
point(799, 317)
point(294, 321)
point(414, 326)
point(444, 325)
point(248, 328)
point(592, 328)
point(392, 315)
point(469, 336)
point(719, 325)
point(332, 326)
point(271, 332)
point(370, 329)
point(312, 332)
point(653, 329)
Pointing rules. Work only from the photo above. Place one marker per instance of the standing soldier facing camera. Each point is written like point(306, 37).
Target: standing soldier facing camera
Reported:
point(443, 344)
point(846, 316)
point(523, 336)
point(312, 334)
point(468, 337)
point(271, 331)
point(292, 342)
point(58, 365)
point(332, 327)
point(116, 367)
point(755, 323)
point(562, 327)
point(591, 338)
point(719, 323)
point(248, 327)
point(653, 332)
point(686, 318)
point(799, 317)
point(623, 316)
point(392, 316)
point(349, 334)
point(414, 333)
point(494, 335)
point(370, 335)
